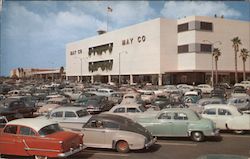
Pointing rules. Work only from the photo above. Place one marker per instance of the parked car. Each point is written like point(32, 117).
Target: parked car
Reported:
point(241, 102)
point(245, 84)
point(97, 104)
point(161, 101)
point(218, 93)
point(147, 96)
point(132, 98)
point(179, 122)
point(227, 117)
point(116, 97)
point(131, 110)
point(3, 122)
point(191, 97)
point(205, 88)
point(69, 117)
point(116, 132)
point(52, 104)
point(14, 108)
point(39, 138)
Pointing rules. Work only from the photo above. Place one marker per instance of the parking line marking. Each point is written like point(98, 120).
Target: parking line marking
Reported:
point(176, 144)
point(104, 153)
point(240, 136)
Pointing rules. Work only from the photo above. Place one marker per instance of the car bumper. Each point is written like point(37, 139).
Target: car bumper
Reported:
point(216, 132)
point(150, 143)
point(71, 152)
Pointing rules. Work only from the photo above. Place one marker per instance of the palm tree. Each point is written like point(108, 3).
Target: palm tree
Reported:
point(216, 54)
point(236, 42)
point(244, 54)
point(61, 72)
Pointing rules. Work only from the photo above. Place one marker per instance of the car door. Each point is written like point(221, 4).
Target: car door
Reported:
point(163, 126)
point(94, 134)
point(28, 139)
point(111, 131)
point(210, 113)
point(10, 142)
point(180, 124)
point(223, 115)
point(70, 120)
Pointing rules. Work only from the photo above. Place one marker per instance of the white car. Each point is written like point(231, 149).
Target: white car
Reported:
point(131, 110)
point(245, 84)
point(72, 118)
point(227, 117)
point(205, 88)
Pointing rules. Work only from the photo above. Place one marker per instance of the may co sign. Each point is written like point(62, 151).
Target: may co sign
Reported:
point(139, 39)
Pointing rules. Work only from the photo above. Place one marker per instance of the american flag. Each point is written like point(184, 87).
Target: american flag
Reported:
point(110, 9)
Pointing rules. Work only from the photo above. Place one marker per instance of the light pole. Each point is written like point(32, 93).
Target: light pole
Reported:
point(81, 58)
point(212, 69)
point(119, 77)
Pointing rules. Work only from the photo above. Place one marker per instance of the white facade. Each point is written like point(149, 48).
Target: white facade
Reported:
point(151, 48)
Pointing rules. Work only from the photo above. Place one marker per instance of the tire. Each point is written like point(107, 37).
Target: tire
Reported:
point(122, 146)
point(239, 132)
point(41, 157)
point(197, 136)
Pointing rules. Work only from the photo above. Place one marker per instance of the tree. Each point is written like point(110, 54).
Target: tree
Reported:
point(216, 55)
point(236, 42)
point(244, 54)
point(61, 72)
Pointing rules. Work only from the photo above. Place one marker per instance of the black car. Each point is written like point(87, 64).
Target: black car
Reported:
point(14, 108)
point(161, 102)
point(219, 93)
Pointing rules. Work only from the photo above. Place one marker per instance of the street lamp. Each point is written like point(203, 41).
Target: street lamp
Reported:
point(212, 69)
point(119, 77)
point(80, 67)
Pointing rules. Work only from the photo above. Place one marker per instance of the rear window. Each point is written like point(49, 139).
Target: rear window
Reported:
point(50, 129)
point(82, 113)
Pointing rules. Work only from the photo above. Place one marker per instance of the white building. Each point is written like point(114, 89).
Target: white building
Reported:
point(160, 51)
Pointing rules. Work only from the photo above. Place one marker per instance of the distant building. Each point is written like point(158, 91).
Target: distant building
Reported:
point(37, 73)
point(160, 51)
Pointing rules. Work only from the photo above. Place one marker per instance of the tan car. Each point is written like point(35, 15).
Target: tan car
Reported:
point(116, 132)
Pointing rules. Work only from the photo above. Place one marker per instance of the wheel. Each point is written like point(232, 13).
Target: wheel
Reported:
point(239, 131)
point(41, 157)
point(197, 136)
point(122, 146)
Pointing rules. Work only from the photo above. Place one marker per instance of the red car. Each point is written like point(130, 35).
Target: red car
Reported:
point(39, 138)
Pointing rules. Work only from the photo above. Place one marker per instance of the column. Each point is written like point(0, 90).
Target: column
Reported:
point(78, 78)
point(92, 79)
point(109, 78)
point(131, 79)
point(159, 79)
point(67, 78)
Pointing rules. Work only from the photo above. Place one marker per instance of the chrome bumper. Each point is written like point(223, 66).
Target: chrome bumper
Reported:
point(72, 151)
point(216, 132)
point(150, 143)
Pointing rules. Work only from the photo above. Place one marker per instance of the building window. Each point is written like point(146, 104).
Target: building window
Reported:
point(183, 49)
point(206, 26)
point(206, 48)
point(183, 27)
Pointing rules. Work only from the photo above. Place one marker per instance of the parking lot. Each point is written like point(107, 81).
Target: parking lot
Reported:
point(173, 148)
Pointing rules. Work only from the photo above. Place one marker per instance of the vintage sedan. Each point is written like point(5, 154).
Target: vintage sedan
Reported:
point(39, 138)
point(227, 117)
point(116, 132)
point(179, 122)
point(131, 110)
point(70, 117)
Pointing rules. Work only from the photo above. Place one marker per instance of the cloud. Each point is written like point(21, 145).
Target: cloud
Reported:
point(176, 10)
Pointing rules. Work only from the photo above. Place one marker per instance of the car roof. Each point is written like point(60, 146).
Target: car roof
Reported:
point(111, 117)
point(34, 123)
point(69, 108)
point(220, 106)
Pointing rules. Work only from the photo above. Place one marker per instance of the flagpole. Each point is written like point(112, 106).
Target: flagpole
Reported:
point(107, 18)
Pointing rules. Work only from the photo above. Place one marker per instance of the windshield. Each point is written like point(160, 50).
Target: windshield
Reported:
point(82, 113)
point(50, 129)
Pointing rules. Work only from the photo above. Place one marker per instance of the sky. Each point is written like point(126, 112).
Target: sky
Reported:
point(34, 33)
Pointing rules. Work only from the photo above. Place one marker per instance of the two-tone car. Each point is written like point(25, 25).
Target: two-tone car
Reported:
point(116, 132)
point(39, 138)
point(179, 122)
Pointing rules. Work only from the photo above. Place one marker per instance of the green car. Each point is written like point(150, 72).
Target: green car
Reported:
point(179, 122)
